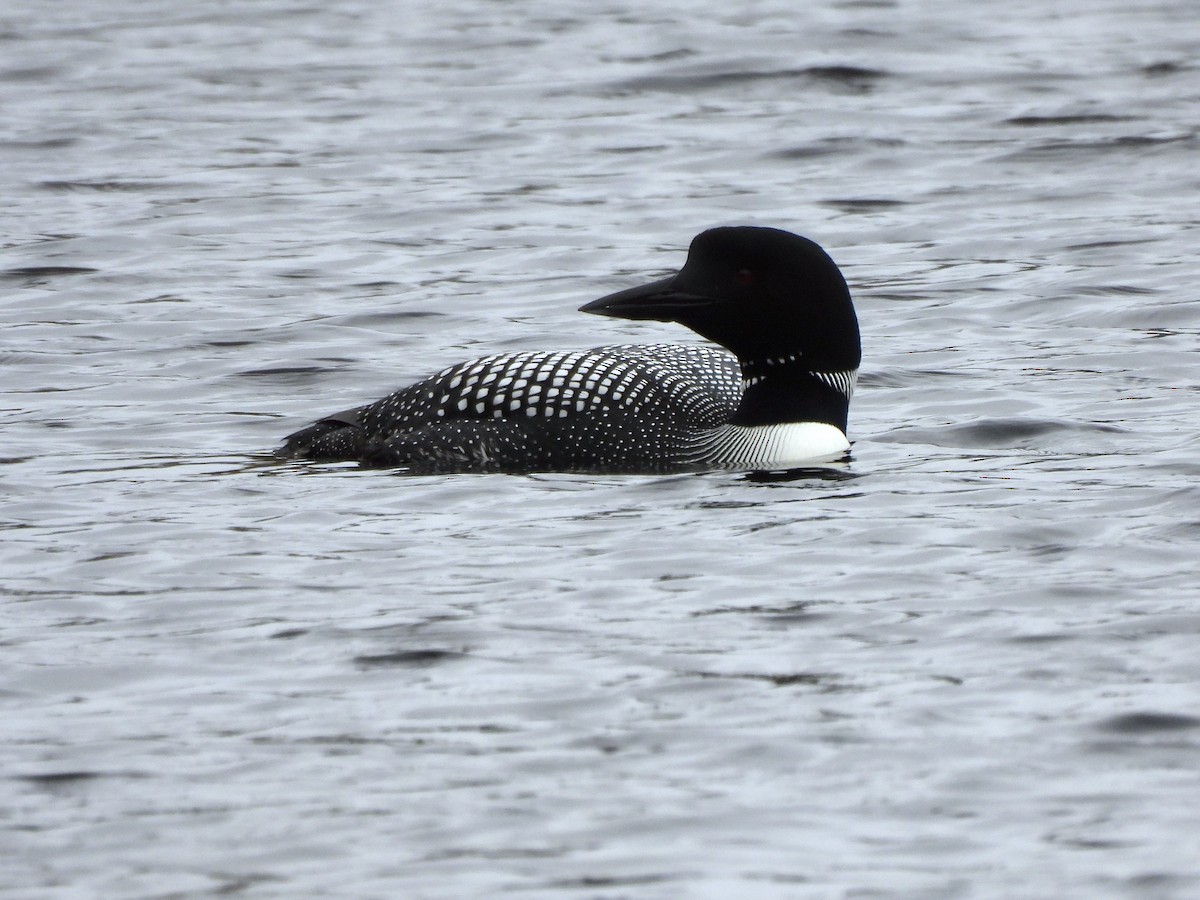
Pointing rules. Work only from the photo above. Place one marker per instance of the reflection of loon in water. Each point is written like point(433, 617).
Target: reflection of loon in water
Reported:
point(774, 299)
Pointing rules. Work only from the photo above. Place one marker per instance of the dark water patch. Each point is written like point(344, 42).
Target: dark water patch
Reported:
point(408, 658)
point(71, 777)
point(323, 740)
point(39, 74)
point(594, 882)
point(300, 274)
point(789, 612)
point(231, 885)
point(47, 144)
point(779, 679)
point(289, 633)
point(1161, 884)
point(451, 853)
point(1088, 843)
point(53, 778)
point(851, 76)
point(853, 205)
point(259, 77)
point(276, 371)
point(521, 190)
point(1001, 433)
point(112, 555)
point(40, 273)
point(664, 56)
point(1074, 149)
point(949, 679)
point(1170, 332)
point(1108, 245)
point(105, 186)
point(634, 148)
point(1149, 723)
point(793, 614)
point(81, 621)
point(1085, 119)
point(836, 146)
point(1108, 290)
point(855, 79)
point(1166, 67)
point(872, 33)
point(1047, 638)
point(387, 318)
point(898, 378)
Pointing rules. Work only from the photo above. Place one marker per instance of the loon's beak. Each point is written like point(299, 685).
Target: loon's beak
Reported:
point(660, 300)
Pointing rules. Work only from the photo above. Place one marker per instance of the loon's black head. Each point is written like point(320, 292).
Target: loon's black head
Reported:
point(761, 292)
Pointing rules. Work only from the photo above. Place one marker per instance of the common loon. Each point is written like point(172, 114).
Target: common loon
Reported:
point(775, 299)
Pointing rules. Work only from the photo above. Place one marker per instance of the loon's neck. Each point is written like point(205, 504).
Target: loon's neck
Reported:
point(783, 389)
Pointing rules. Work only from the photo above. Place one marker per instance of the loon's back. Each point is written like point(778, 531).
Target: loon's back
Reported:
point(628, 407)
point(779, 399)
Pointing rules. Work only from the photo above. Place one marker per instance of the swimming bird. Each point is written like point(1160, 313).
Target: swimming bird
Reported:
point(776, 397)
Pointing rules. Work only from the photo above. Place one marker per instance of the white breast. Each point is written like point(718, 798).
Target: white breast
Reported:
point(776, 446)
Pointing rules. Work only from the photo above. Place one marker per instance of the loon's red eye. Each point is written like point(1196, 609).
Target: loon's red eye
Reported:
point(744, 276)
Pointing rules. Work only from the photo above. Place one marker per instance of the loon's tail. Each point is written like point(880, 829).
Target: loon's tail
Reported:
point(336, 437)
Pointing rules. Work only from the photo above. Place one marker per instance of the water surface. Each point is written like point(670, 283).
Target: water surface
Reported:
point(964, 667)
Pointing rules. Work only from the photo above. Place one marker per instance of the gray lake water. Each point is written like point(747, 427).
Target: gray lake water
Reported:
point(967, 666)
